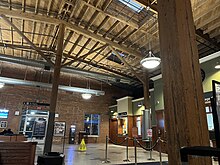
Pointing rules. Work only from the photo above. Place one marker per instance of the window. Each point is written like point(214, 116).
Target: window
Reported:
point(133, 5)
point(91, 124)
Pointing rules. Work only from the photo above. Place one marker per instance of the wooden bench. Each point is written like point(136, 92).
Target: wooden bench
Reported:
point(17, 153)
point(12, 138)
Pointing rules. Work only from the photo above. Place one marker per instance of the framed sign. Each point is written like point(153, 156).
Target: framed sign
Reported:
point(59, 128)
point(3, 124)
point(39, 127)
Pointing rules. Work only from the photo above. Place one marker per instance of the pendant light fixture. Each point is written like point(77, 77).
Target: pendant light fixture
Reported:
point(87, 96)
point(150, 61)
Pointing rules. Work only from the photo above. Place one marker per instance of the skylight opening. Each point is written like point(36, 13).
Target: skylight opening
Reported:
point(133, 5)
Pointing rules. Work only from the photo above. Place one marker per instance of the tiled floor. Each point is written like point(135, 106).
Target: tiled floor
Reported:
point(95, 154)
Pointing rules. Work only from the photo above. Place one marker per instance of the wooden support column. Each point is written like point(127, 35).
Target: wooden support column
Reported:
point(54, 92)
point(185, 117)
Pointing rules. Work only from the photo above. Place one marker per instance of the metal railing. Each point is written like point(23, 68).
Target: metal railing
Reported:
point(159, 141)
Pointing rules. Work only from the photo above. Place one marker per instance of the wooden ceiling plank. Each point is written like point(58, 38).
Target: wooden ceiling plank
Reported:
point(36, 6)
point(12, 37)
point(82, 14)
point(101, 24)
point(120, 32)
point(106, 4)
point(111, 28)
point(83, 56)
point(77, 3)
point(49, 7)
point(55, 21)
point(23, 5)
point(75, 44)
point(25, 38)
point(93, 47)
point(62, 3)
point(23, 47)
point(51, 31)
point(129, 35)
point(207, 7)
point(98, 53)
point(33, 31)
point(80, 51)
point(209, 18)
point(42, 36)
point(123, 60)
point(134, 25)
point(83, 47)
point(213, 26)
point(92, 19)
point(97, 3)
point(68, 39)
point(9, 2)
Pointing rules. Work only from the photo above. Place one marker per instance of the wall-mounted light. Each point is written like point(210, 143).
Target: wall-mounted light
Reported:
point(86, 96)
point(150, 61)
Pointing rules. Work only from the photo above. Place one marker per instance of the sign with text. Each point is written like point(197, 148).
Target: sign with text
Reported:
point(39, 128)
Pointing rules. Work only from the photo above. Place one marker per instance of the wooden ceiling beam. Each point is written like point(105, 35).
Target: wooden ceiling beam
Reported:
point(208, 39)
point(205, 8)
point(23, 47)
point(36, 6)
point(202, 23)
point(49, 7)
point(214, 25)
point(26, 39)
point(75, 44)
point(93, 47)
point(50, 20)
point(101, 24)
point(123, 60)
point(106, 4)
point(85, 55)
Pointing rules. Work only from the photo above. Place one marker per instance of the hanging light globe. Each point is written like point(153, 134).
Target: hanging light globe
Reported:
point(86, 96)
point(150, 61)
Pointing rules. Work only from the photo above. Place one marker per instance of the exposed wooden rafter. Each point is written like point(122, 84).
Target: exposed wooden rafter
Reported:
point(26, 39)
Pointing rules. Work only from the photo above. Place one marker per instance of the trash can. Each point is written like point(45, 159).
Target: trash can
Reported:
point(50, 158)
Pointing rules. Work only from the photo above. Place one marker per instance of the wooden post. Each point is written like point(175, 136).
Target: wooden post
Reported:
point(185, 116)
point(54, 92)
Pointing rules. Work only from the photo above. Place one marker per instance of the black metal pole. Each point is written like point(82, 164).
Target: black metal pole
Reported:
point(126, 160)
point(106, 151)
point(135, 150)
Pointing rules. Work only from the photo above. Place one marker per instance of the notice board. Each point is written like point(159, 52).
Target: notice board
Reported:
point(39, 127)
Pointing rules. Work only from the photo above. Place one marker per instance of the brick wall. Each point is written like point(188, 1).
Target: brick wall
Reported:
point(70, 106)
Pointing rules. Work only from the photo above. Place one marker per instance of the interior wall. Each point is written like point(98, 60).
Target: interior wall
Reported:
point(70, 106)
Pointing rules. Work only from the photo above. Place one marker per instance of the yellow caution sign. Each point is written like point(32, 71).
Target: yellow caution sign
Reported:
point(82, 146)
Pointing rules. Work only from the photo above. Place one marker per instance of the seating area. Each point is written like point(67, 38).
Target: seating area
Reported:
point(12, 138)
point(19, 153)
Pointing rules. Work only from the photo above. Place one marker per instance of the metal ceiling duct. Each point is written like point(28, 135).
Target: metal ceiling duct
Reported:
point(45, 85)
point(42, 64)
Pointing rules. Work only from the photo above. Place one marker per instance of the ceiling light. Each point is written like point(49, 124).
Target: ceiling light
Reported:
point(150, 61)
point(217, 66)
point(2, 85)
point(86, 96)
